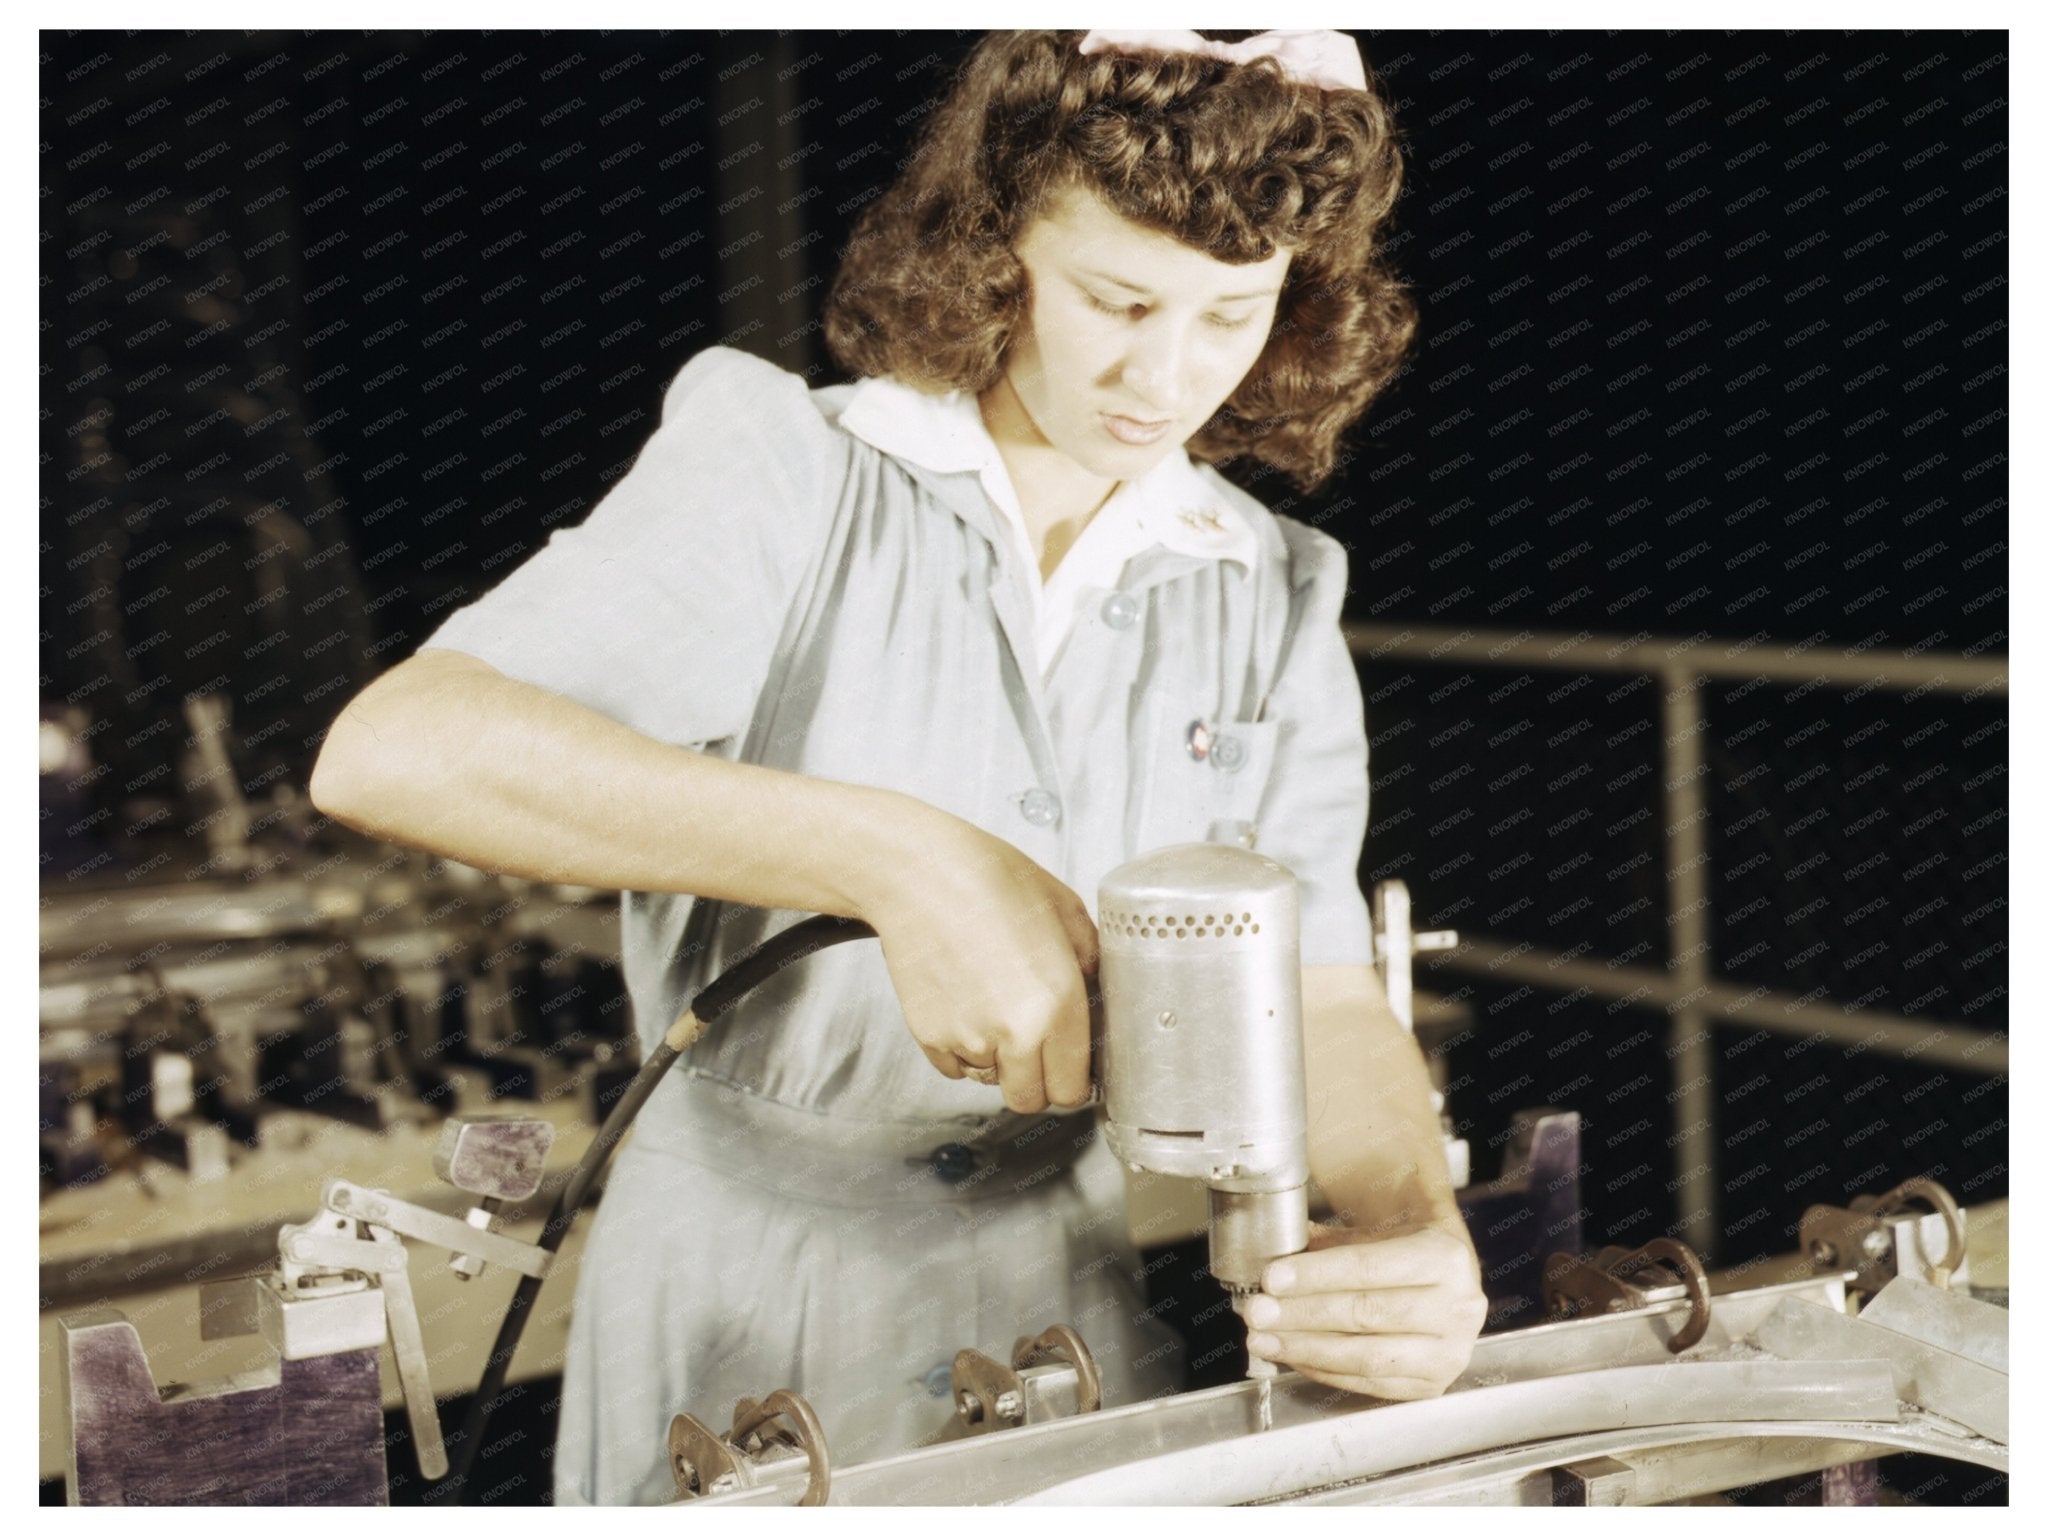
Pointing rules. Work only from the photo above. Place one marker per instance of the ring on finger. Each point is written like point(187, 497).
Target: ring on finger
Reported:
point(983, 1075)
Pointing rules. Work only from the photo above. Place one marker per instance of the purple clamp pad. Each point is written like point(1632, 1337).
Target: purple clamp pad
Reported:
point(1530, 1212)
point(499, 1158)
point(303, 1432)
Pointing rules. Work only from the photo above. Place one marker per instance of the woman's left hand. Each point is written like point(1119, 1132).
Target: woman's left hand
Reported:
point(1390, 1317)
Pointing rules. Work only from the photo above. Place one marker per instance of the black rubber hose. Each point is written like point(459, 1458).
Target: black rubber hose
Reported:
point(792, 944)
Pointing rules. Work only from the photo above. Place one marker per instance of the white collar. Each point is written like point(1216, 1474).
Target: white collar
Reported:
point(1170, 504)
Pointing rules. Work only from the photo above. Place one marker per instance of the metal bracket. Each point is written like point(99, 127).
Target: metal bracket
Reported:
point(1878, 1238)
point(987, 1396)
point(1626, 1279)
point(1062, 1343)
point(1052, 1376)
point(705, 1462)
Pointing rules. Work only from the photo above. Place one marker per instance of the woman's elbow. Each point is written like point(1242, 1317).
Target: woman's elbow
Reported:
point(389, 746)
point(362, 751)
point(344, 774)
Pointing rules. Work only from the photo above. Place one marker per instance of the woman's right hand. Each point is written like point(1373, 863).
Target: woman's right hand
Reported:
point(990, 956)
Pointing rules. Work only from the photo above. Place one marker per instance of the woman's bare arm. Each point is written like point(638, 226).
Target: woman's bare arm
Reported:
point(444, 752)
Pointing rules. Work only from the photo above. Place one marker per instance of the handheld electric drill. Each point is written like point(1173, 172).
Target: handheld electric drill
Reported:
point(1200, 1058)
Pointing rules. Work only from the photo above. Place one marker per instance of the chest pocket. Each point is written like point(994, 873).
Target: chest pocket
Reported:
point(1211, 798)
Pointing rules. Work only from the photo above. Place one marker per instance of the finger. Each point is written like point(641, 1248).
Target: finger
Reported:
point(1081, 932)
point(1023, 1081)
point(1410, 1309)
point(1419, 1258)
point(947, 1063)
point(973, 1060)
point(1067, 1077)
point(1369, 1356)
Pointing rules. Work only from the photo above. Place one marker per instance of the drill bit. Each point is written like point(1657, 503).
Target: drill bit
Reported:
point(1260, 1371)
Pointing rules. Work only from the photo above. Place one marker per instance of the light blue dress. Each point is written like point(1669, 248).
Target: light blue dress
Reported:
point(765, 585)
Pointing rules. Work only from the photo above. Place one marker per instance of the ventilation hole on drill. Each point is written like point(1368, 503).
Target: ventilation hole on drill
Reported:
point(1208, 917)
point(1255, 927)
point(1201, 933)
point(1238, 929)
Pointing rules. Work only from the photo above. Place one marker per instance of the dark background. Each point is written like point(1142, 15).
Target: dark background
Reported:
point(1713, 344)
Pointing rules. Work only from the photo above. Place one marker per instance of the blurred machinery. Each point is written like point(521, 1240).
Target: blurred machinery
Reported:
point(179, 1025)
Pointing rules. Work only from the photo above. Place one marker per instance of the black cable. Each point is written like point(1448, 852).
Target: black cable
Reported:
point(792, 944)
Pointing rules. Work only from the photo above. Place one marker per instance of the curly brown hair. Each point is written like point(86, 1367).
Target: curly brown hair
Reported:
point(1235, 160)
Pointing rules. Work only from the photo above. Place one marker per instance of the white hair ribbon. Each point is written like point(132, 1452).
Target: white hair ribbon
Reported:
point(1314, 57)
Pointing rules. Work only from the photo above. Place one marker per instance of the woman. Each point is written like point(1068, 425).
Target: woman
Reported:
point(938, 650)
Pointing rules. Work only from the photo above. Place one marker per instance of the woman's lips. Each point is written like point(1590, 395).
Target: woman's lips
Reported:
point(1125, 429)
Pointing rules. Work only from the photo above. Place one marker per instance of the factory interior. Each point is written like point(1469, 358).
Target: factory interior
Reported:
point(1677, 594)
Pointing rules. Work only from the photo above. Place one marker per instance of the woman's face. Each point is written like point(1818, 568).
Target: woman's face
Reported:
point(1135, 339)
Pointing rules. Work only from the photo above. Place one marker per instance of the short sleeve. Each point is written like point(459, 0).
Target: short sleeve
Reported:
point(1312, 818)
point(662, 609)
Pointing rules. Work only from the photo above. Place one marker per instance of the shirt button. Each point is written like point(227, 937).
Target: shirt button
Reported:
point(1039, 807)
point(1227, 753)
point(1120, 611)
point(952, 1162)
point(938, 1381)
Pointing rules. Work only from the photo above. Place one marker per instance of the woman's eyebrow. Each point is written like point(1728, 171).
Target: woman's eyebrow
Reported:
point(1227, 298)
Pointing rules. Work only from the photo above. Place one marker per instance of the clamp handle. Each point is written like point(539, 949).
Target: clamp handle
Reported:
point(1395, 944)
point(409, 1354)
point(378, 1207)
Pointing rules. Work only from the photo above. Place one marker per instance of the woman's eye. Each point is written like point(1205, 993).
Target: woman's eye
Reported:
point(1136, 311)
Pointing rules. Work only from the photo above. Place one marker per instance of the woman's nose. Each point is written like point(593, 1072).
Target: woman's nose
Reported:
point(1155, 367)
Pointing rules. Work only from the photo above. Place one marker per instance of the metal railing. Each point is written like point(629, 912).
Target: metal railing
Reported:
point(1686, 989)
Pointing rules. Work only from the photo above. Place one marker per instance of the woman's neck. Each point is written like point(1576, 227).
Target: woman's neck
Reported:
point(1057, 496)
